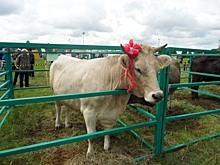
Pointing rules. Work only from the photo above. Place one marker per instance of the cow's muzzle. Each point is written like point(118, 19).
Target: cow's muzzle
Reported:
point(154, 97)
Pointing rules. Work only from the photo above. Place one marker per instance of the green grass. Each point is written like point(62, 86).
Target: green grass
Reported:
point(34, 123)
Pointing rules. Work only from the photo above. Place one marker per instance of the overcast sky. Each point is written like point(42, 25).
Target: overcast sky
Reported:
point(179, 23)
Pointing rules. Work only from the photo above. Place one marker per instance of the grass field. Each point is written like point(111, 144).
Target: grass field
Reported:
point(34, 123)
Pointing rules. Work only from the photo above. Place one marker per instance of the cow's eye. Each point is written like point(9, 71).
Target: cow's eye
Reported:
point(138, 70)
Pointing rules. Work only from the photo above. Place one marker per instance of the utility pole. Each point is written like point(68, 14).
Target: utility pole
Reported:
point(83, 37)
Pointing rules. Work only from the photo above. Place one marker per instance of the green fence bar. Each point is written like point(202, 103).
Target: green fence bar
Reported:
point(191, 50)
point(175, 147)
point(191, 115)
point(3, 96)
point(196, 55)
point(54, 143)
point(26, 88)
point(204, 74)
point(203, 92)
point(142, 157)
point(60, 97)
point(58, 46)
point(4, 73)
point(2, 109)
point(5, 83)
point(182, 85)
point(38, 70)
point(5, 117)
point(108, 52)
point(161, 112)
point(190, 68)
point(32, 87)
point(184, 77)
point(8, 65)
point(142, 111)
point(137, 136)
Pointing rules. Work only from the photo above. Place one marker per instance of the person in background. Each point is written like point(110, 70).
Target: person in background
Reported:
point(3, 62)
point(184, 66)
point(1, 54)
point(3, 59)
point(32, 61)
point(23, 63)
point(18, 52)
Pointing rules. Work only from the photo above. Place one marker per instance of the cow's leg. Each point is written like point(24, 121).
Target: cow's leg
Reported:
point(67, 118)
point(195, 95)
point(58, 109)
point(196, 78)
point(90, 121)
point(106, 141)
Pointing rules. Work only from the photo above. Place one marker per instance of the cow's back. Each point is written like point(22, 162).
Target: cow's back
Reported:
point(207, 64)
point(70, 75)
point(63, 72)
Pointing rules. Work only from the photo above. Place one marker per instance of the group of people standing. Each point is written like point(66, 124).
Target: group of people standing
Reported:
point(23, 64)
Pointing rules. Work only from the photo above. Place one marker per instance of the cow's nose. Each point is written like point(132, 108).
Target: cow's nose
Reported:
point(158, 96)
point(154, 97)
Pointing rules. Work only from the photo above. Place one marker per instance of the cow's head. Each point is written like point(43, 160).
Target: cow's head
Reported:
point(145, 69)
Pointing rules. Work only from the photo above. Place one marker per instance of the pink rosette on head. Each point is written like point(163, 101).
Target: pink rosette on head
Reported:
point(131, 49)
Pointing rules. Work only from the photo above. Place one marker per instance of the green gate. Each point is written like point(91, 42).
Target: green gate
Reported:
point(159, 120)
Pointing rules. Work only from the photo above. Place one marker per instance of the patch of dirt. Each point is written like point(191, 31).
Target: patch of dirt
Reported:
point(60, 155)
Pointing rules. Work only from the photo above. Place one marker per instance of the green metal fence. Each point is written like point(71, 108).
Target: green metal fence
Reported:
point(159, 120)
point(186, 86)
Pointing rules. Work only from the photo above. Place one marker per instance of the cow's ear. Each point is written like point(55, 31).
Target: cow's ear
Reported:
point(164, 60)
point(124, 61)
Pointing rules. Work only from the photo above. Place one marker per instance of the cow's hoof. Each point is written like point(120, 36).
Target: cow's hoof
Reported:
point(195, 98)
point(57, 127)
point(68, 125)
point(89, 155)
point(107, 150)
point(170, 108)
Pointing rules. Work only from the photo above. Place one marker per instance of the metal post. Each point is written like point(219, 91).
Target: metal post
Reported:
point(161, 111)
point(8, 66)
point(219, 43)
point(190, 69)
point(83, 37)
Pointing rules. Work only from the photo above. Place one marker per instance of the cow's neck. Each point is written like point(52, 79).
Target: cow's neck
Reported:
point(116, 72)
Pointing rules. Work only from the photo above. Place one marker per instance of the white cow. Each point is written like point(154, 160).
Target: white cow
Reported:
point(71, 75)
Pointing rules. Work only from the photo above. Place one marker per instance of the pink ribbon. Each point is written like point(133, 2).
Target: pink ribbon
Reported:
point(131, 49)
